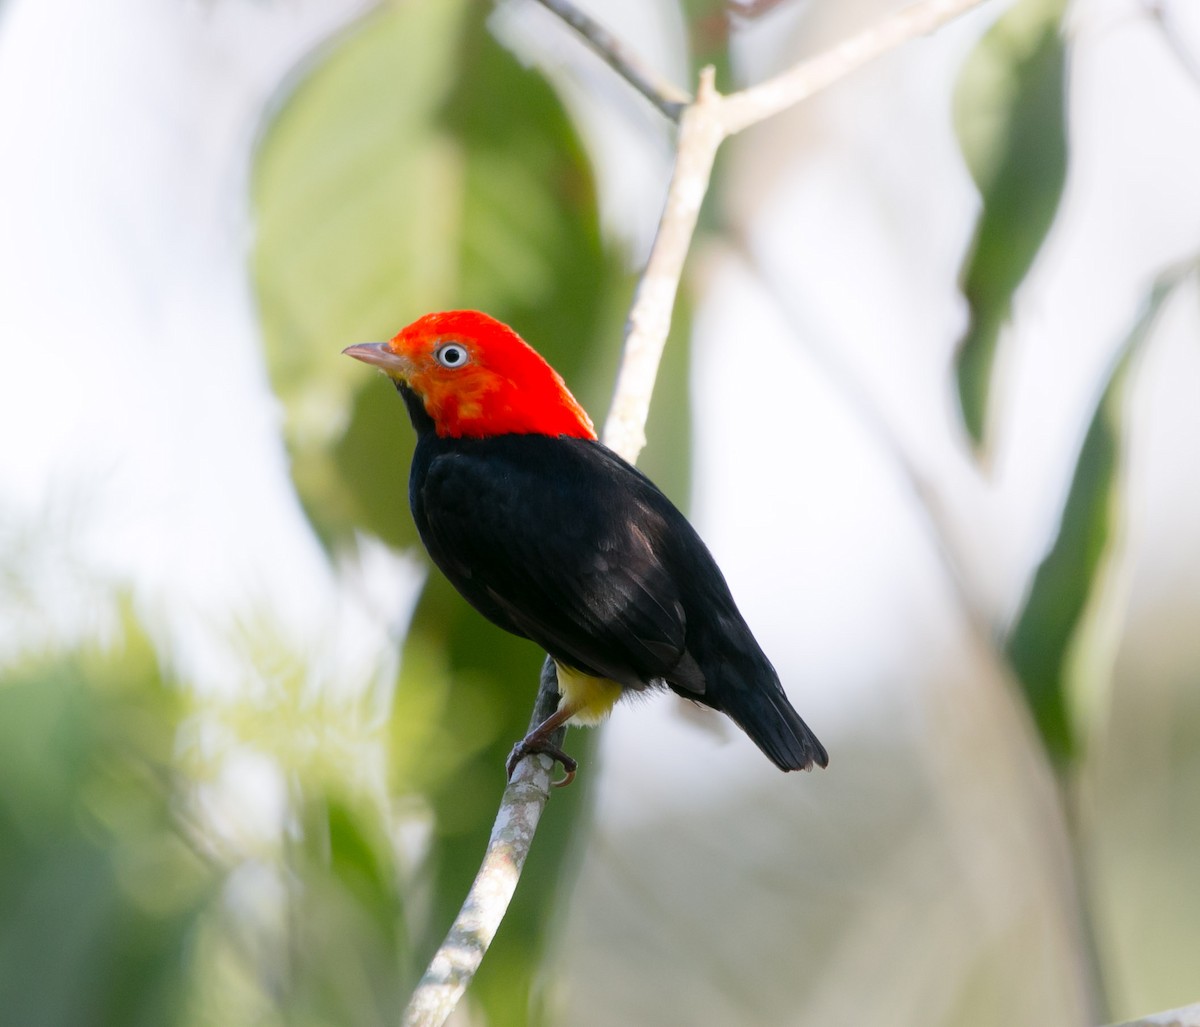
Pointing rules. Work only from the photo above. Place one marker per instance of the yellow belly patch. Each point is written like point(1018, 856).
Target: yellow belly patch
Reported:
point(592, 698)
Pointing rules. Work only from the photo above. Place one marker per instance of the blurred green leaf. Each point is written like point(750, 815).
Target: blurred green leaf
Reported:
point(100, 892)
point(417, 167)
point(1039, 644)
point(349, 957)
point(357, 194)
point(1010, 117)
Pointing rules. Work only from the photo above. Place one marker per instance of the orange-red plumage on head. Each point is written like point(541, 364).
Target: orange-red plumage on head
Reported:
point(478, 378)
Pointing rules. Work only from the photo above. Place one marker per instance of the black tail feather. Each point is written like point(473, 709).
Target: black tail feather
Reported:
point(768, 718)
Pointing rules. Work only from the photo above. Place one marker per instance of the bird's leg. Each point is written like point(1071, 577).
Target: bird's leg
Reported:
point(538, 742)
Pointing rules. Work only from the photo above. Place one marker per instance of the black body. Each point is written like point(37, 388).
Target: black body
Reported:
point(561, 541)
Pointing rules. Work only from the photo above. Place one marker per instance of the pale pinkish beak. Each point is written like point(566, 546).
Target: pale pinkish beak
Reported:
point(380, 355)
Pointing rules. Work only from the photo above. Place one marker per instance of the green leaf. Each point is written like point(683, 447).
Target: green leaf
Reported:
point(1039, 646)
point(100, 889)
point(418, 167)
point(349, 956)
point(1010, 118)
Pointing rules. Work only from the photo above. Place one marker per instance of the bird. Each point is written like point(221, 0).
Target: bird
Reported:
point(552, 536)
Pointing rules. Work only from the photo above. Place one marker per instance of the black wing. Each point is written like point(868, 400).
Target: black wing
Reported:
point(557, 540)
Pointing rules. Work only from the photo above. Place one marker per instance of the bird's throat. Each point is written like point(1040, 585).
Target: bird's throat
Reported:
point(417, 413)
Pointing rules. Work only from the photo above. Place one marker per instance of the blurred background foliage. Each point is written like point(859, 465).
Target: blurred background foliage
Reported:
point(90, 837)
point(1010, 116)
point(414, 163)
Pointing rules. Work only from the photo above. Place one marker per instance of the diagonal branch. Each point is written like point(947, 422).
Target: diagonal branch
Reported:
point(455, 962)
point(757, 103)
point(666, 96)
point(1187, 1016)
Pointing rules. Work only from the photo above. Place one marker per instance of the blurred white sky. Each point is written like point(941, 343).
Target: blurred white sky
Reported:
point(134, 392)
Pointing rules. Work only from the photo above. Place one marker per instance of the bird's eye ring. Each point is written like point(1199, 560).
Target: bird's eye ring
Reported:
point(451, 355)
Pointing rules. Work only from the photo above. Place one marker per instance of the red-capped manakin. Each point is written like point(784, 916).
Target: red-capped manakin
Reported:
point(552, 536)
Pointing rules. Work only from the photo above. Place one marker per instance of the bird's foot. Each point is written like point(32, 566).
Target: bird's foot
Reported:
point(531, 745)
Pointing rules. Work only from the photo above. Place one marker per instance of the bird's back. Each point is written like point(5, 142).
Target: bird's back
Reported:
point(562, 541)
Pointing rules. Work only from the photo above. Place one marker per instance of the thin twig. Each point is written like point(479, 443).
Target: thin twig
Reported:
point(459, 956)
point(666, 96)
point(704, 125)
point(787, 89)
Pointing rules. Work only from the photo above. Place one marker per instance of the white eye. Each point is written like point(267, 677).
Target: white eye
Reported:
point(451, 355)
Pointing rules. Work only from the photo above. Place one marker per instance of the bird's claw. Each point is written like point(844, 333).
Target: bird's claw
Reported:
point(536, 747)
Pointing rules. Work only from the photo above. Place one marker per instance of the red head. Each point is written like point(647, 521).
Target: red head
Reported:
point(477, 377)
